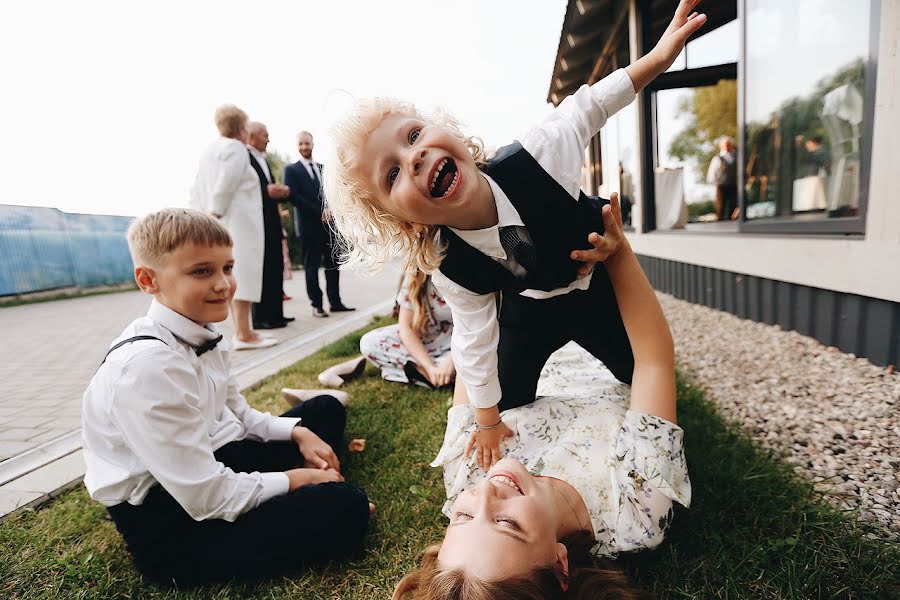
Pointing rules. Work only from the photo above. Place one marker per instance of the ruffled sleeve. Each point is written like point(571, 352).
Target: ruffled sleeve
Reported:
point(403, 297)
point(649, 474)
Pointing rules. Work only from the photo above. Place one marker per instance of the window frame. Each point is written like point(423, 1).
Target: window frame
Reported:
point(855, 225)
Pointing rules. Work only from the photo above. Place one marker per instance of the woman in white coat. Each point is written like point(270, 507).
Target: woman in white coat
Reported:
point(228, 188)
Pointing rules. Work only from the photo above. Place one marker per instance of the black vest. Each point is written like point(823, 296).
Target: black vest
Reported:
point(556, 222)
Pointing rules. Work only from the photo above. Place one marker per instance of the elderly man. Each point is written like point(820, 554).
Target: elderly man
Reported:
point(268, 313)
point(304, 178)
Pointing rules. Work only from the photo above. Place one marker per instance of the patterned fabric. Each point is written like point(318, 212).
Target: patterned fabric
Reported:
point(384, 348)
point(287, 268)
point(628, 466)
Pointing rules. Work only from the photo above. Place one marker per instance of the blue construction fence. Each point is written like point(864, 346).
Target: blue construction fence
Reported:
point(45, 248)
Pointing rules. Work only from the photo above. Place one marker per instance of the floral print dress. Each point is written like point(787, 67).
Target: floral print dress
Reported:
point(384, 349)
point(628, 466)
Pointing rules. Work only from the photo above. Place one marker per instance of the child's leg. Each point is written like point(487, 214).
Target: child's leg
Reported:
point(596, 325)
point(529, 334)
point(384, 348)
point(313, 524)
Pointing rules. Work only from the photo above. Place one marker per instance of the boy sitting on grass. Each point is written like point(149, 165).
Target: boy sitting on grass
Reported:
point(200, 485)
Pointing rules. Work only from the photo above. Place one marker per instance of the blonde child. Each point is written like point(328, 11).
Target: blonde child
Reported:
point(516, 223)
point(200, 485)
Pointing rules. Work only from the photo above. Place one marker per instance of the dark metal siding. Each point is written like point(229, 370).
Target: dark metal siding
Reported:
point(864, 326)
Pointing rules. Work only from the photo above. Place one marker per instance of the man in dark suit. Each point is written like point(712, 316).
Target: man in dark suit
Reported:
point(268, 313)
point(304, 178)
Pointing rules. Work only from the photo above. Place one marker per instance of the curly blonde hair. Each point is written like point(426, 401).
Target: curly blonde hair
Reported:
point(367, 235)
point(231, 121)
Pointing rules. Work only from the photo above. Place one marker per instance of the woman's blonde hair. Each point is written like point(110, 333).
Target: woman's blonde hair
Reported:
point(231, 121)
point(417, 292)
point(369, 236)
point(589, 578)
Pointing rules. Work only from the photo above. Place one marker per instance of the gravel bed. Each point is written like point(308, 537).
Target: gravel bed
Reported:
point(834, 416)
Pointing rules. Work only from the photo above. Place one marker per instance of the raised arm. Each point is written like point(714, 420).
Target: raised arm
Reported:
point(653, 383)
point(684, 24)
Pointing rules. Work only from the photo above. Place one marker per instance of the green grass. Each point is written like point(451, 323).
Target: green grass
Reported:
point(755, 530)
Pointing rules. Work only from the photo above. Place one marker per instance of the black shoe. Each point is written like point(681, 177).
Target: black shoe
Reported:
point(318, 312)
point(416, 378)
point(288, 319)
point(268, 325)
point(340, 308)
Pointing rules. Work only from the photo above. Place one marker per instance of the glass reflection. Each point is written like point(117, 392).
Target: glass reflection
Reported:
point(805, 68)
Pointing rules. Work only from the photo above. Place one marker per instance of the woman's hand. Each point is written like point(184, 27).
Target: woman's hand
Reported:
point(604, 245)
point(300, 477)
point(315, 452)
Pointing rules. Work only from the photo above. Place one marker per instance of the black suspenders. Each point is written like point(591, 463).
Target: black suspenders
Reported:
point(128, 341)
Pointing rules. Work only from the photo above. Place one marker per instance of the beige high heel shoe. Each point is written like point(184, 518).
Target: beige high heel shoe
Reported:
point(295, 396)
point(336, 376)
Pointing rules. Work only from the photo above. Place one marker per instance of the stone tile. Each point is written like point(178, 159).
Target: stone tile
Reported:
point(8, 449)
point(12, 500)
point(29, 421)
point(50, 478)
point(16, 434)
point(46, 435)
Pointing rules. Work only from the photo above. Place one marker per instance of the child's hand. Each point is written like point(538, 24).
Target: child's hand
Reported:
point(441, 374)
point(604, 245)
point(683, 26)
point(315, 452)
point(300, 477)
point(487, 444)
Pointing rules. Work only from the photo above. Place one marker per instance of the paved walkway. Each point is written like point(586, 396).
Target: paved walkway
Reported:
point(50, 351)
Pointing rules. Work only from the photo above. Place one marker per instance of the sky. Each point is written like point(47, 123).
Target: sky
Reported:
point(110, 104)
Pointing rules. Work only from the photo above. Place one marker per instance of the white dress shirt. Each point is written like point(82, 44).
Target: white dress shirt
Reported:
point(558, 145)
point(312, 168)
point(156, 412)
point(261, 159)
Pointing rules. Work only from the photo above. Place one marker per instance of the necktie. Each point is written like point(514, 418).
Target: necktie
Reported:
point(522, 250)
point(207, 346)
point(312, 169)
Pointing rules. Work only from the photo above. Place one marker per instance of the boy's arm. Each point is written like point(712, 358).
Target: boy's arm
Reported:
point(155, 410)
point(653, 383)
point(261, 426)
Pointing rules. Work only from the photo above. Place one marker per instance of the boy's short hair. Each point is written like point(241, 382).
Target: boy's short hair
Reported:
point(230, 121)
point(153, 236)
point(368, 236)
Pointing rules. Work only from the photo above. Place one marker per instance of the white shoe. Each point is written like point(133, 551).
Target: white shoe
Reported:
point(263, 343)
point(336, 375)
point(296, 397)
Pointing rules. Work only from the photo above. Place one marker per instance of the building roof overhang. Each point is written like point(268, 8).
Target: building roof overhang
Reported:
point(594, 42)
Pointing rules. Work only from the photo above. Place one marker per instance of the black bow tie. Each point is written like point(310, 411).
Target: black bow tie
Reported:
point(207, 346)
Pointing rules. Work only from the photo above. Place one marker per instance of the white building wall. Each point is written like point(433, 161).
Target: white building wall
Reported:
point(868, 266)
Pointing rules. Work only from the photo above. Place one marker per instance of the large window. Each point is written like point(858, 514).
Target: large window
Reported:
point(808, 84)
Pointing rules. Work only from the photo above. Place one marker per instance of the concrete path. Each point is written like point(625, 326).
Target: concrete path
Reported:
point(50, 350)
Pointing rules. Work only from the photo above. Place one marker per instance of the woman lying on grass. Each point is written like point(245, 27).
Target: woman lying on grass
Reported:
point(582, 478)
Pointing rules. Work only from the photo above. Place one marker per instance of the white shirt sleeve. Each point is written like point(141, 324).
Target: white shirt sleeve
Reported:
point(261, 426)
point(558, 143)
point(713, 169)
point(473, 344)
point(157, 412)
point(230, 164)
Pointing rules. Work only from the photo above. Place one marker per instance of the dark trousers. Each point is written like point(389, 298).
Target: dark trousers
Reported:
point(311, 524)
point(270, 308)
point(726, 201)
point(318, 251)
point(531, 330)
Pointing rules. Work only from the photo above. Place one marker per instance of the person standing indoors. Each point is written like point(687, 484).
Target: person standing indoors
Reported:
point(268, 313)
point(304, 178)
point(227, 188)
point(723, 174)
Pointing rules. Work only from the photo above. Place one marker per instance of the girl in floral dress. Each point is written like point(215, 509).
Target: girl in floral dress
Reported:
point(417, 349)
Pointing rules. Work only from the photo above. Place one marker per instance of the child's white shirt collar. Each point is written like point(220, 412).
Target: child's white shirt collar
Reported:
point(487, 240)
point(180, 326)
